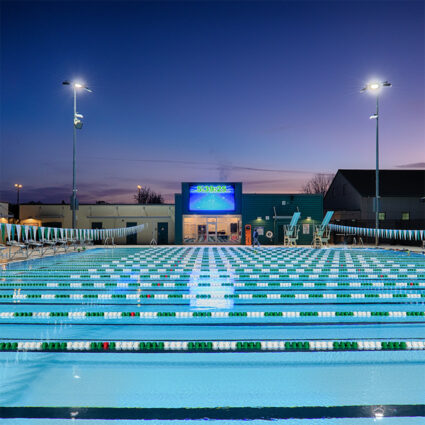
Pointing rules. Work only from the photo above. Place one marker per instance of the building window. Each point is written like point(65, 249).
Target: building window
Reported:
point(405, 216)
point(381, 216)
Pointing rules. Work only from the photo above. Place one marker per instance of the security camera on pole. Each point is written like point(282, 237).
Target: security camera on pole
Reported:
point(78, 124)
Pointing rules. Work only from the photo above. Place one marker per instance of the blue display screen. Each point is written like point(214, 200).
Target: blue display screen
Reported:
point(211, 197)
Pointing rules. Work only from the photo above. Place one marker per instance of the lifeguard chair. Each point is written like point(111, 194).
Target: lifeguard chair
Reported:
point(291, 231)
point(322, 232)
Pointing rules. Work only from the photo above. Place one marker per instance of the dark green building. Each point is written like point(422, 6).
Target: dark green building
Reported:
point(220, 213)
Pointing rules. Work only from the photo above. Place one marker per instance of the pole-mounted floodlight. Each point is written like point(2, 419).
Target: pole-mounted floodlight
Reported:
point(77, 86)
point(375, 87)
point(18, 187)
point(78, 125)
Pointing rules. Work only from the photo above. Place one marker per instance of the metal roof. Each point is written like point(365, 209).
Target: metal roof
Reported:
point(397, 183)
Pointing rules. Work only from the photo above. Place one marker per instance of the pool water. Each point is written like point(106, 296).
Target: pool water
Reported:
point(226, 333)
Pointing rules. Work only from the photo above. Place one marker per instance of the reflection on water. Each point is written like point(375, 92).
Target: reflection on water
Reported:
point(214, 295)
point(193, 379)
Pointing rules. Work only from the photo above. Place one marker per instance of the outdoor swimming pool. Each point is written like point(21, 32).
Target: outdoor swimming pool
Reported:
point(227, 333)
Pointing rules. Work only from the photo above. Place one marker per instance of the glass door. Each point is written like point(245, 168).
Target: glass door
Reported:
point(212, 229)
point(202, 233)
point(206, 229)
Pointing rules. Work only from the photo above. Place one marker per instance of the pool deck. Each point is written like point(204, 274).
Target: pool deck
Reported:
point(35, 255)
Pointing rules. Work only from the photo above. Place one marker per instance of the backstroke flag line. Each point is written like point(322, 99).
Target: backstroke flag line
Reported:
point(20, 232)
point(402, 234)
point(23, 233)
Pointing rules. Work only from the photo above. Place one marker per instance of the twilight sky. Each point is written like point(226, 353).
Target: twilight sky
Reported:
point(266, 93)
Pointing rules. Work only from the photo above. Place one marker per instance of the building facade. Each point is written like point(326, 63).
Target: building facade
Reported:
point(204, 213)
point(159, 219)
point(214, 212)
point(4, 212)
point(401, 206)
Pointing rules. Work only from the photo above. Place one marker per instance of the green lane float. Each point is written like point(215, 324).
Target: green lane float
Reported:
point(213, 315)
point(244, 296)
point(211, 346)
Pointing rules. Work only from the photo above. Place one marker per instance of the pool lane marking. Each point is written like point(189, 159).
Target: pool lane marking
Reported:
point(138, 303)
point(234, 324)
point(137, 295)
point(215, 413)
point(205, 281)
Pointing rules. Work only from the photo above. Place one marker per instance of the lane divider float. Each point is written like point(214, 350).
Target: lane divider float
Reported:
point(210, 315)
point(21, 296)
point(211, 346)
point(196, 284)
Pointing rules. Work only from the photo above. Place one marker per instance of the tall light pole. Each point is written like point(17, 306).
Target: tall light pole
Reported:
point(375, 88)
point(18, 187)
point(78, 124)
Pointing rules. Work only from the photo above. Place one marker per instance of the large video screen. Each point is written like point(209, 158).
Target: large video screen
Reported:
point(212, 197)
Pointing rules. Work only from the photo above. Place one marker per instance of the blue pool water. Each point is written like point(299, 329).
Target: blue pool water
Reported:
point(129, 298)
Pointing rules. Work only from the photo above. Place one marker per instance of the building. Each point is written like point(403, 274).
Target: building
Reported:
point(159, 219)
point(352, 192)
point(211, 213)
point(4, 212)
point(204, 213)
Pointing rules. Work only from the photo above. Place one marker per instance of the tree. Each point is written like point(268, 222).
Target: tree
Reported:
point(145, 195)
point(318, 184)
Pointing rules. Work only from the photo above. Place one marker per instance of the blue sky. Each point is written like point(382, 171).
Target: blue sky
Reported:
point(266, 93)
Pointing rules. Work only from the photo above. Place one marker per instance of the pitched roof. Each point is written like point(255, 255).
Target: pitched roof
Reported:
point(409, 183)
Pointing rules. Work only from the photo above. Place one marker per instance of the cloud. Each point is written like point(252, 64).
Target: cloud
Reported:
point(413, 165)
point(287, 185)
point(36, 194)
point(202, 164)
point(278, 129)
point(119, 186)
point(55, 194)
point(90, 193)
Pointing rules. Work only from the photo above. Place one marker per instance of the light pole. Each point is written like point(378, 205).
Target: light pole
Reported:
point(375, 88)
point(78, 124)
point(18, 187)
point(139, 193)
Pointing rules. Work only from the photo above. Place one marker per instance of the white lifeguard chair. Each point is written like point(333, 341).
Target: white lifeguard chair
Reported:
point(322, 232)
point(291, 231)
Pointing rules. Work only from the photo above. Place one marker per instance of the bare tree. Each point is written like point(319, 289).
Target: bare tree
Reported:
point(318, 184)
point(145, 195)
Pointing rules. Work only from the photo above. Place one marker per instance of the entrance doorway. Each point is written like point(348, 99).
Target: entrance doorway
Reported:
point(162, 234)
point(97, 225)
point(131, 239)
point(212, 229)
